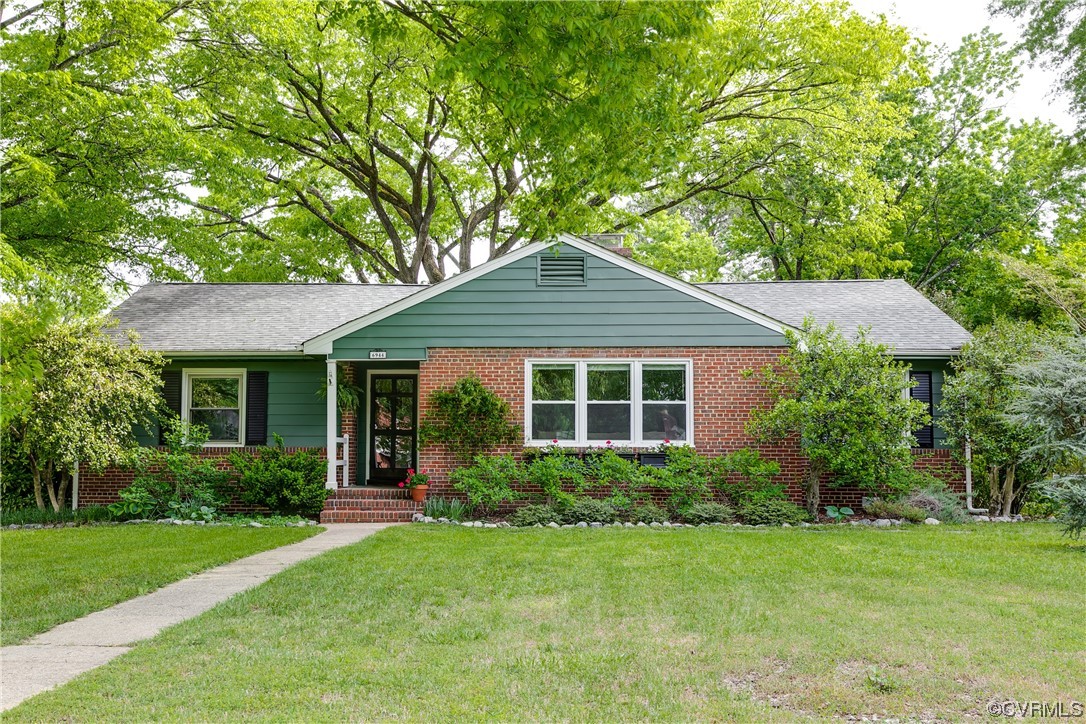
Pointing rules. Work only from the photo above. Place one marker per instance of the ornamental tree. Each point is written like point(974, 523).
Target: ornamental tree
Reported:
point(84, 406)
point(844, 400)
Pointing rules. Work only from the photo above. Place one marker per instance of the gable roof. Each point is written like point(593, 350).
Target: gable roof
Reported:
point(322, 344)
point(898, 315)
point(247, 318)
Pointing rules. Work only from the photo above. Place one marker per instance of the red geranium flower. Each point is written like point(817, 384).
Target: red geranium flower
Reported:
point(401, 483)
point(410, 471)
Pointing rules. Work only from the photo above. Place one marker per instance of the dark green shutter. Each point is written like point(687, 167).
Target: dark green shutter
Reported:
point(256, 408)
point(171, 393)
point(925, 436)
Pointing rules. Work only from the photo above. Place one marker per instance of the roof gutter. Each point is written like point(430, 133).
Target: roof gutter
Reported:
point(925, 353)
point(232, 353)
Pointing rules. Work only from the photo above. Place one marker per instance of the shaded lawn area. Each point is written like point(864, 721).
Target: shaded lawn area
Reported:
point(48, 577)
point(436, 622)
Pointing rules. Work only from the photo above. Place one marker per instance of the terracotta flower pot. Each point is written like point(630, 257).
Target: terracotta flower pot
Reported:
point(418, 493)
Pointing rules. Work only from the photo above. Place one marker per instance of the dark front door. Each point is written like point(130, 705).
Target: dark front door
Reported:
point(393, 437)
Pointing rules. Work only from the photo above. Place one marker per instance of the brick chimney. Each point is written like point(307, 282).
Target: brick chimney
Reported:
point(610, 242)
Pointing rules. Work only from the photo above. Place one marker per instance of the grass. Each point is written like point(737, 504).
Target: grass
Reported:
point(442, 622)
point(48, 577)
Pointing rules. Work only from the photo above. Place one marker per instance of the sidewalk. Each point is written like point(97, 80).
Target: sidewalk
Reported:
point(63, 653)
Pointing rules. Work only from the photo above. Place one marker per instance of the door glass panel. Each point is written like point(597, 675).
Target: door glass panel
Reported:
point(382, 385)
point(608, 421)
point(405, 413)
point(382, 451)
point(663, 382)
point(405, 384)
point(553, 422)
point(663, 422)
point(382, 413)
point(405, 451)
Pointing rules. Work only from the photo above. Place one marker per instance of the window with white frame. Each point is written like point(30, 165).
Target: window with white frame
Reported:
point(216, 399)
point(591, 402)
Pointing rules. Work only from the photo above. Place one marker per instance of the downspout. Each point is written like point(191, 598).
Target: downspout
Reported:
point(969, 481)
point(75, 488)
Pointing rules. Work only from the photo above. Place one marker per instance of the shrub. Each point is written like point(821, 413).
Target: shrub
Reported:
point(285, 483)
point(772, 512)
point(489, 482)
point(623, 477)
point(938, 501)
point(1040, 507)
point(554, 473)
point(174, 475)
point(707, 513)
point(468, 419)
point(48, 516)
point(451, 508)
point(588, 510)
point(648, 513)
point(685, 477)
point(1069, 491)
point(745, 476)
point(896, 509)
point(529, 515)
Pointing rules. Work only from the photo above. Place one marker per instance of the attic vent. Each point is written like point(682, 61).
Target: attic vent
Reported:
point(561, 271)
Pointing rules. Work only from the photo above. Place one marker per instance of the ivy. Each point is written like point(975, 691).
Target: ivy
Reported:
point(469, 419)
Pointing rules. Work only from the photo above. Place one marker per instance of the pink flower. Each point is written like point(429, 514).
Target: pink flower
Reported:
point(666, 441)
point(555, 441)
point(401, 483)
point(410, 471)
point(608, 442)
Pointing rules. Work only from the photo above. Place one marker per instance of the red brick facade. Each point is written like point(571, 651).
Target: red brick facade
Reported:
point(723, 398)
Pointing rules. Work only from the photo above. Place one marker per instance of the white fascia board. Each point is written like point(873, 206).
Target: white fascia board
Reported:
point(231, 353)
point(322, 344)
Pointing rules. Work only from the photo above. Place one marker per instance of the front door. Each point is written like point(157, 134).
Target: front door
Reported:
point(393, 436)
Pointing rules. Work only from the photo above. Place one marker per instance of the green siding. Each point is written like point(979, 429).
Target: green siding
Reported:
point(506, 308)
point(939, 369)
point(295, 409)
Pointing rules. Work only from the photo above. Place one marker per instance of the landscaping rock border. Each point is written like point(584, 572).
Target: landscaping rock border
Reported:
point(878, 523)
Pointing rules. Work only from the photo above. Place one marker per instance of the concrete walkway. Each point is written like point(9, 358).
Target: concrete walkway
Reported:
point(63, 653)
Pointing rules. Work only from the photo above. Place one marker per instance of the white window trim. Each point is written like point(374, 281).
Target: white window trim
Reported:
point(581, 403)
point(188, 374)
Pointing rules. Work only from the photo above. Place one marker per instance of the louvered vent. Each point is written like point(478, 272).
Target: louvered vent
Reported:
point(561, 271)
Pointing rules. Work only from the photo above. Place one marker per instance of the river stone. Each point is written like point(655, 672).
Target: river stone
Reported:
point(552, 524)
point(931, 521)
point(882, 523)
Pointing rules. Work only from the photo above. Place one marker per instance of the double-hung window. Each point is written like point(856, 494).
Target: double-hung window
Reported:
point(215, 399)
point(592, 402)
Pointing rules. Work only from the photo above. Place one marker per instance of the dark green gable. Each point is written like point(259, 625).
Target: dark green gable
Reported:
point(513, 306)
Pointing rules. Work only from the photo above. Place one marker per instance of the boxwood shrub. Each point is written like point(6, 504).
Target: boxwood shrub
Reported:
point(772, 512)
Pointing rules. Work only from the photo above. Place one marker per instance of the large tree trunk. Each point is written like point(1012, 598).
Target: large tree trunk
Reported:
point(993, 489)
point(35, 472)
point(1008, 490)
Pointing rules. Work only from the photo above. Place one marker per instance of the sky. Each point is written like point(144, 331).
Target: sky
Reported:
point(945, 22)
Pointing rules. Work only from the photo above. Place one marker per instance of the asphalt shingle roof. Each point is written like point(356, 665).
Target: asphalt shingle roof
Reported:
point(897, 314)
point(247, 317)
point(218, 318)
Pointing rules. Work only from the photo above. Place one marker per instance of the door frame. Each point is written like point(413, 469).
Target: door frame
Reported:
point(368, 432)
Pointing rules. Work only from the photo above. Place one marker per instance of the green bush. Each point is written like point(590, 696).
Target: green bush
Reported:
point(745, 476)
point(1042, 508)
point(554, 473)
point(469, 419)
point(489, 482)
point(707, 513)
point(938, 501)
point(284, 483)
point(1069, 491)
point(648, 513)
point(772, 512)
point(685, 477)
point(896, 509)
point(451, 508)
point(176, 481)
point(529, 515)
point(16, 482)
point(624, 478)
point(588, 510)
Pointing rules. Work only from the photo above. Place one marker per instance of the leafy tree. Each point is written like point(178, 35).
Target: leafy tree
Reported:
point(1051, 400)
point(1055, 33)
point(977, 402)
point(83, 407)
point(90, 139)
point(668, 242)
point(845, 402)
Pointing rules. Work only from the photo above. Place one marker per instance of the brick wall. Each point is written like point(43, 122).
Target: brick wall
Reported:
point(723, 399)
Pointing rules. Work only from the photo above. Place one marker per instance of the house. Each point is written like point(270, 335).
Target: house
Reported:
point(535, 325)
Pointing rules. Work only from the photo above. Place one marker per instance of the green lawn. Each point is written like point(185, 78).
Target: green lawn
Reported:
point(48, 577)
point(434, 622)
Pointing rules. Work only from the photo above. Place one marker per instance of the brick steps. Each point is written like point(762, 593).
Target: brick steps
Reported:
point(369, 505)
